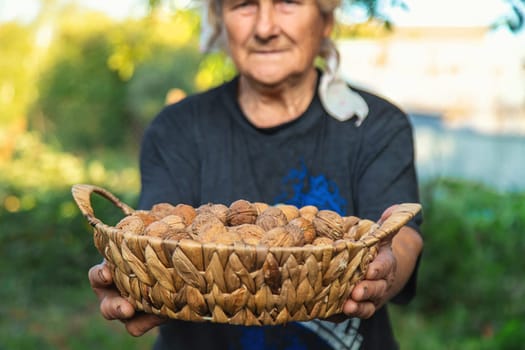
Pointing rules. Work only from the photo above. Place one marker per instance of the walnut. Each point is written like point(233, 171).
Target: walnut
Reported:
point(175, 222)
point(348, 222)
point(297, 235)
point(328, 223)
point(219, 210)
point(260, 207)
point(307, 228)
point(202, 220)
point(360, 229)
point(185, 211)
point(281, 237)
point(203, 208)
point(211, 230)
point(217, 233)
point(270, 218)
point(308, 212)
point(161, 210)
point(323, 241)
point(241, 212)
point(157, 229)
point(249, 233)
point(228, 238)
point(176, 235)
point(132, 224)
point(146, 216)
point(290, 211)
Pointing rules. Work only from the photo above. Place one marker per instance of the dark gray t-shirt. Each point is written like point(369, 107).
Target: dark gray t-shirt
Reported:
point(203, 149)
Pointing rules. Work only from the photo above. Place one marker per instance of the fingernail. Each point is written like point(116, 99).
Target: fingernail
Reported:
point(102, 277)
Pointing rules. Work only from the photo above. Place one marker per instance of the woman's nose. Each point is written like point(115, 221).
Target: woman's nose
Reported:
point(267, 25)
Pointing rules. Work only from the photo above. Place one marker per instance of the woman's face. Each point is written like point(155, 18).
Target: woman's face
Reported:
point(271, 41)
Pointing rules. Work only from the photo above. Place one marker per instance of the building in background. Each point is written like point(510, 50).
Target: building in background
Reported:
point(464, 88)
point(470, 76)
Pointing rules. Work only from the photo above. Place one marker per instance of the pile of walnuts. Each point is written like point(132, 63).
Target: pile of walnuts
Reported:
point(253, 223)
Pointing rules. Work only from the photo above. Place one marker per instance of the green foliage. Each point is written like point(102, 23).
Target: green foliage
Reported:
point(17, 70)
point(168, 68)
point(105, 81)
point(43, 232)
point(81, 98)
point(471, 275)
point(215, 69)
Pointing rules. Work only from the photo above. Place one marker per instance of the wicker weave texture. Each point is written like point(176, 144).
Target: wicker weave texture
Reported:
point(236, 284)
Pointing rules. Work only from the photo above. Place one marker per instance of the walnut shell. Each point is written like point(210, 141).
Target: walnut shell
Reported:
point(228, 238)
point(202, 220)
point(281, 237)
point(290, 211)
point(297, 235)
point(185, 211)
point(176, 235)
point(260, 206)
point(211, 230)
point(348, 222)
point(215, 233)
point(308, 212)
point(270, 218)
point(329, 224)
point(360, 229)
point(219, 210)
point(161, 210)
point(146, 216)
point(323, 241)
point(249, 233)
point(175, 222)
point(241, 212)
point(307, 228)
point(132, 224)
point(157, 229)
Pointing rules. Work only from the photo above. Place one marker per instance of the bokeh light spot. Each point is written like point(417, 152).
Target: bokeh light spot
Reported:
point(12, 204)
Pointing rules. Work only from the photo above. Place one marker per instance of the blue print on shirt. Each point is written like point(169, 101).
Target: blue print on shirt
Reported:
point(262, 338)
point(301, 188)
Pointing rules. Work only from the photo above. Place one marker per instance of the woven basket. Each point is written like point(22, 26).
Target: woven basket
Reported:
point(236, 284)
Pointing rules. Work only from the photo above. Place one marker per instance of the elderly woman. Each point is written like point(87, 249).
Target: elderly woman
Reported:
point(282, 131)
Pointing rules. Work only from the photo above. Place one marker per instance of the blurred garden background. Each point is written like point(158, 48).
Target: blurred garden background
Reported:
point(79, 82)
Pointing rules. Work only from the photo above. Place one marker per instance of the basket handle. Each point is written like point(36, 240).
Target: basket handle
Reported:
point(82, 196)
point(399, 217)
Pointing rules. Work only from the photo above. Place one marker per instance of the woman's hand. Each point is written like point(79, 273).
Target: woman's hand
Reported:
point(114, 307)
point(373, 292)
point(387, 273)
